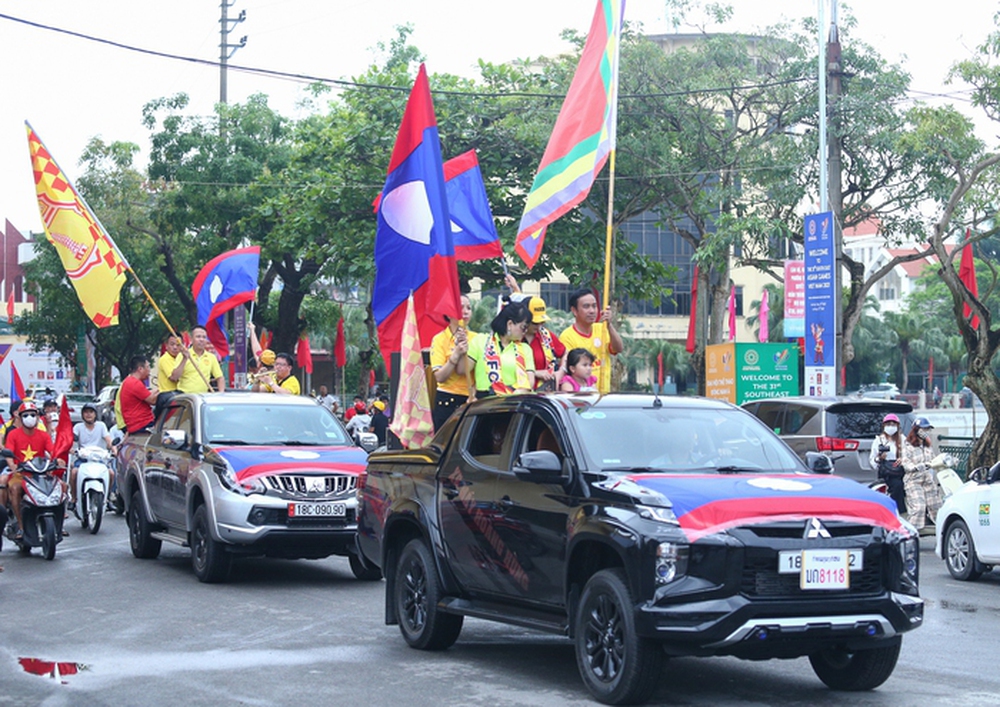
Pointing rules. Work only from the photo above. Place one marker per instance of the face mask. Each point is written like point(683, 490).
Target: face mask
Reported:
point(53, 416)
point(922, 434)
point(891, 429)
point(29, 421)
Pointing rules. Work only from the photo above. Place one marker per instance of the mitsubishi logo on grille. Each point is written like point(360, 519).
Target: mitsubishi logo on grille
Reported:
point(815, 529)
point(318, 485)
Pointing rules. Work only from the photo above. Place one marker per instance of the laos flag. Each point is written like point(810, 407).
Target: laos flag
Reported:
point(475, 236)
point(226, 281)
point(414, 249)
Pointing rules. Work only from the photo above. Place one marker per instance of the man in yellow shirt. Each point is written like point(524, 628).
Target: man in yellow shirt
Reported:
point(168, 361)
point(198, 367)
point(598, 337)
point(282, 382)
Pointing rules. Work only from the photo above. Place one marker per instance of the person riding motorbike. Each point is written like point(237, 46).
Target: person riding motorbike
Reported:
point(25, 442)
point(887, 458)
point(89, 433)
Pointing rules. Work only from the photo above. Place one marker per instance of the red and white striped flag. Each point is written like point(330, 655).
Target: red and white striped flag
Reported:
point(411, 420)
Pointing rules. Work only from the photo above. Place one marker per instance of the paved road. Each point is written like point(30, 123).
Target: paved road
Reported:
point(305, 633)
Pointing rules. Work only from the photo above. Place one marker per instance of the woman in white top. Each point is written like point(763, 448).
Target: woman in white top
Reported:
point(887, 459)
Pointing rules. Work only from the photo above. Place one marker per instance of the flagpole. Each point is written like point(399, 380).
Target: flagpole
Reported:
point(608, 242)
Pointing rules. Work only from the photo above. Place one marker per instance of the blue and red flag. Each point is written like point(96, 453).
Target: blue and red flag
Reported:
point(414, 250)
point(16, 387)
point(706, 504)
point(226, 282)
point(475, 235)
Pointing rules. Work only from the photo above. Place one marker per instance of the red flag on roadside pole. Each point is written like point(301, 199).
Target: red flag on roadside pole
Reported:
point(694, 312)
point(967, 274)
point(304, 354)
point(10, 306)
point(340, 347)
point(659, 364)
point(732, 313)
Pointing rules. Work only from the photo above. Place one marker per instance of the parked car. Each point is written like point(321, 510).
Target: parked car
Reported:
point(75, 402)
point(880, 391)
point(967, 535)
point(104, 401)
point(841, 427)
point(243, 474)
point(639, 527)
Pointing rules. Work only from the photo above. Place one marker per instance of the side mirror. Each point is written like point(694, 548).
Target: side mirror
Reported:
point(368, 441)
point(541, 464)
point(175, 439)
point(978, 475)
point(819, 463)
point(6, 454)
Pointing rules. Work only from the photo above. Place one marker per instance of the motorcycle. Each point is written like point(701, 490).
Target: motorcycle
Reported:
point(43, 507)
point(942, 466)
point(93, 484)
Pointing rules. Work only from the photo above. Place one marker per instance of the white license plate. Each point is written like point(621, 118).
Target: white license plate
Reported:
point(821, 569)
point(317, 510)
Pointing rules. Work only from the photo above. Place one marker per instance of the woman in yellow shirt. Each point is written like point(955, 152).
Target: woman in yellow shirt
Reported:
point(448, 361)
point(502, 362)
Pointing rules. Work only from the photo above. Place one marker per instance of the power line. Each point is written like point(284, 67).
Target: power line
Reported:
point(307, 78)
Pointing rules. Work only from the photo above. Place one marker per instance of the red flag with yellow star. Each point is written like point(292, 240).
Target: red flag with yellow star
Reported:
point(93, 263)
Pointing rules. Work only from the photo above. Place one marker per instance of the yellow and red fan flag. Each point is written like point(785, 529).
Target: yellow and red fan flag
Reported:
point(93, 263)
point(412, 421)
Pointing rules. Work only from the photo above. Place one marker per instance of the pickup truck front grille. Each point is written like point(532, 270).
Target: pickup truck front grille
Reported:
point(760, 578)
point(313, 486)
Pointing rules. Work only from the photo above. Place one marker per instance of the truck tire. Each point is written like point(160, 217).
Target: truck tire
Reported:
point(857, 671)
point(364, 572)
point(417, 593)
point(209, 557)
point(144, 546)
point(617, 666)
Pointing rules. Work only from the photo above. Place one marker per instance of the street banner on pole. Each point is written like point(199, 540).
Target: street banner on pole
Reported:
point(821, 306)
point(795, 299)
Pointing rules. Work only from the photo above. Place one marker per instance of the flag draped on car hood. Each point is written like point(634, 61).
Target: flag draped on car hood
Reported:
point(710, 503)
point(250, 462)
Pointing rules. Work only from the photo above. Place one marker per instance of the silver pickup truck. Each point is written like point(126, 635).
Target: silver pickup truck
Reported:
point(243, 474)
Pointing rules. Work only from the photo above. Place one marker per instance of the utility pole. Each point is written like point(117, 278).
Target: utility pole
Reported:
point(226, 50)
point(835, 73)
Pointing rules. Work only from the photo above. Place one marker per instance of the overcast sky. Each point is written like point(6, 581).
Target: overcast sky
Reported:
point(71, 89)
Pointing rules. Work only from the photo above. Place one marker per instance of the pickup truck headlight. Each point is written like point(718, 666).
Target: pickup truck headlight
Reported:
point(671, 562)
point(228, 478)
point(660, 513)
point(909, 550)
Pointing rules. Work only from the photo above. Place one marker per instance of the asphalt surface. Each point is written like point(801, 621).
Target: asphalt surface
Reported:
point(146, 632)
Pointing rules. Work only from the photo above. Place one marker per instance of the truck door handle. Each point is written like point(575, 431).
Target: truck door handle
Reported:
point(506, 503)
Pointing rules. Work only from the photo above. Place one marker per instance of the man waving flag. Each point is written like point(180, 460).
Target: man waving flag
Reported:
point(94, 265)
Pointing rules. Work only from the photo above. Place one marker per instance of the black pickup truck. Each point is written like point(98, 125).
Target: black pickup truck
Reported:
point(640, 527)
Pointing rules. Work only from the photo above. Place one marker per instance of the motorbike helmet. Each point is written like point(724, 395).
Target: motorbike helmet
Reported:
point(891, 417)
point(29, 407)
point(923, 423)
point(88, 406)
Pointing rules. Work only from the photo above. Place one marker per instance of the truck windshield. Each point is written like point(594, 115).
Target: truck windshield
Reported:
point(242, 423)
point(682, 440)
